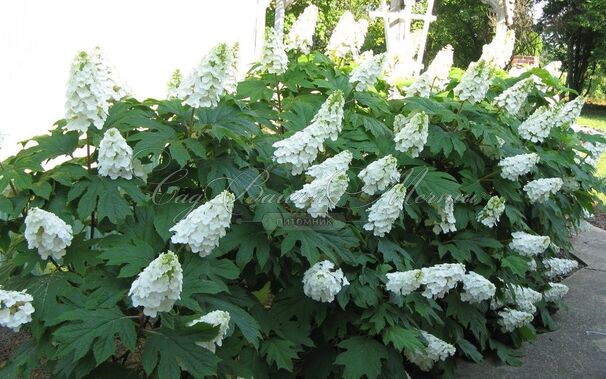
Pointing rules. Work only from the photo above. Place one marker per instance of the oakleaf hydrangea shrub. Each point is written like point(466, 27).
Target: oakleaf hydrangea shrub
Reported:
point(302, 222)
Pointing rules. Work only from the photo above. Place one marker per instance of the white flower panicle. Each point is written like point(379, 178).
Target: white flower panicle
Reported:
point(539, 190)
point(529, 245)
point(47, 233)
point(568, 113)
point(411, 133)
point(379, 175)
point(214, 318)
point(592, 158)
point(172, 87)
point(499, 51)
point(440, 279)
point(436, 350)
point(514, 167)
point(108, 73)
point(513, 98)
point(15, 309)
point(87, 96)
point(447, 221)
point(158, 286)
point(532, 265)
point(322, 282)
point(403, 282)
point(321, 195)
point(523, 298)
point(115, 156)
point(368, 72)
point(435, 78)
point(475, 82)
point(301, 149)
point(331, 166)
point(491, 213)
point(538, 125)
point(559, 267)
point(512, 319)
point(555, 292)
point(347, 37)
point(300, 36)
point(214, 77)
point(274, 59)
point(206, 225)
point(477, 288)
point(385, 211)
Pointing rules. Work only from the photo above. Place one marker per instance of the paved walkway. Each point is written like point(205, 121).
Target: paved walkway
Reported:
point(578, 348)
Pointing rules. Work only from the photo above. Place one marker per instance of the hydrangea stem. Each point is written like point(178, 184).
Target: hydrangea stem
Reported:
point(88, 165)
point(279, 101)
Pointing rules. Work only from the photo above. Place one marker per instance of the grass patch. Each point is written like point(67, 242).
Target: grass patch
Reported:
point(595, 117)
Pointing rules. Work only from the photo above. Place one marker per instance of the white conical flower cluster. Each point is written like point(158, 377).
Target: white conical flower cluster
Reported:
point(514, 97)
point(411, 133)
point(555, 292)
point(435, 78)
point(214, 318)
point(523, 298)
point(491, 213)
point(440, 279)
point(331, 166)
point(115, 156)
point(385, 211)
point(300, 36)
point(301, 149)
point(539, 190)
point(117, 89)
point(15, 309)
point(403, 282)
point(514, 167)
point(158, 286)
point(499, 51)
point(538, 125)
point(477, 288)
point(559, 267)
point(475, 82)
point(214, 77)
point(512, 319)
point(47, 233)
point(568, 113)
point(321, 195)
point(368, 72)
point(347, 37)
point(379, 175)
point(172, 87)
point(322, 282)
point(592, 158)
point(87, 96)
point(274, 59)
point(206, 225)
point(448, 221)
point(529, 245)
point(436, 350)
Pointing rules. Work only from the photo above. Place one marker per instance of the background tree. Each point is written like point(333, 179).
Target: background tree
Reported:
point(528, 41)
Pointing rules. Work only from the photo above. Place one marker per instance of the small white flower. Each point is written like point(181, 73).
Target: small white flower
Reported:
point(435, 78)
point(300, 36)
point(529, 245)
point(477, 288)
point(206, 225)
point(214, 77)
point(512, 99)
point(331, 166)
point(475, 82)
point(491, 213)
point(173, 84)
point(274, 59)
point(555, 292)
point(592, 158)
point(322, 282)
point(368, 72)
point(385, 211)
point(538, 125)
point(347, 37)
point(523, 298)
point(499, 51)
point(47, 233)
point(158, 286)
point(321, 195)
point(379, 175)
point(214, 318)
point(514, 167)
point(568, 113)
point(15, 309)
point(411, 133)
point(440, 279)
point(559, 267)
point(532, 265)
point(117, 89)
point(115, 156)
point(539, 190)
point(447, 221)
point(403, 282)
point(511, 319)
point(436, 350)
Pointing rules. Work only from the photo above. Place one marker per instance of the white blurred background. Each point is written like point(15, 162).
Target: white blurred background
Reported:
point(146, 40)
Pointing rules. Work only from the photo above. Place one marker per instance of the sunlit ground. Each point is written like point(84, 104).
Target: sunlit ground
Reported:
point(596, 120)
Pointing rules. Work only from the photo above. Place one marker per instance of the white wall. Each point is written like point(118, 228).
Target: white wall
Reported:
point(146, 40)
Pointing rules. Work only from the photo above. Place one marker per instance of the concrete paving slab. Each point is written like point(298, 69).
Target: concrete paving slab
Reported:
point(590, 247)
